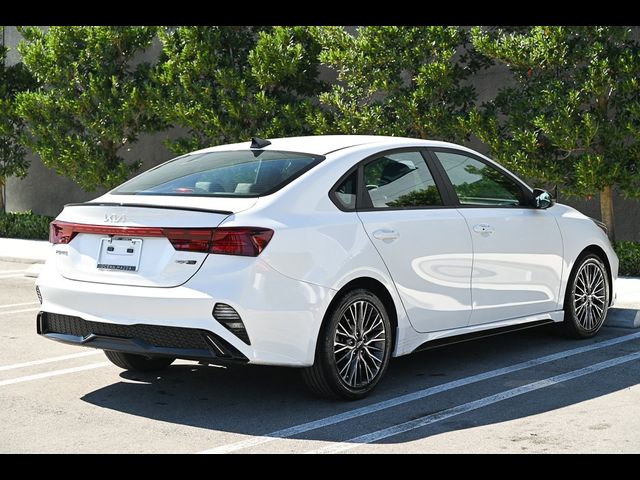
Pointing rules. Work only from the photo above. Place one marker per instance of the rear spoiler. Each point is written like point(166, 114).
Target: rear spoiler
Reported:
point(143, 205)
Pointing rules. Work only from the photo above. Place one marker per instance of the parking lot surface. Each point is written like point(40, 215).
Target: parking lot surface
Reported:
point(531, 391)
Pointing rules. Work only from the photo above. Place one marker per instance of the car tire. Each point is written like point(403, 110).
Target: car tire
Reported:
point(354, 347)
point(587, 298)
point(138, 363)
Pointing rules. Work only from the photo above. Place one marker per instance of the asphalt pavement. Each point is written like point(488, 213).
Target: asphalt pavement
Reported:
point(532, 391)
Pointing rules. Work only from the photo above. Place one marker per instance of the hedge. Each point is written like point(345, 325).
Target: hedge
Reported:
point(629, 255)
point(25, 225)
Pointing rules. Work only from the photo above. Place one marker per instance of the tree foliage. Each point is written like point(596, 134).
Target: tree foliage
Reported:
point(405, 81)
point(572, 114)
point(227, 83)
point(93, 101)
point(13, 162)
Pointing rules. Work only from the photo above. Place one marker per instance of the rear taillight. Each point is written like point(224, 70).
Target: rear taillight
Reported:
point(244, 241)
point(189, 239)
point(64, 232)
point(61, 232)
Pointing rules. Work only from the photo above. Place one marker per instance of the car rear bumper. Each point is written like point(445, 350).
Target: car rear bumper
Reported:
point(178, 342)
point(282, 316)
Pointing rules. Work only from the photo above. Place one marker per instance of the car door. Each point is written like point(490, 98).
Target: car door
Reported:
point(424, 243)
point(517, 264)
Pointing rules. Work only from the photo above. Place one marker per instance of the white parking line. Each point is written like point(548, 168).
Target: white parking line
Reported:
point(13, 276)
point(410, 397)
point(18, 304)
point(5, 272)
point(53, 373)
point(468, 407)
point(20, 311)
point(60, 358)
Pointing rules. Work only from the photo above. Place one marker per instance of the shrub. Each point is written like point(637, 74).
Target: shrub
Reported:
point(93, 100)
point(629, 255)
point(26, 225)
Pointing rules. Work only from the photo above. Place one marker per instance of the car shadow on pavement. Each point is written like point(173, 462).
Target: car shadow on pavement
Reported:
point(258, 400)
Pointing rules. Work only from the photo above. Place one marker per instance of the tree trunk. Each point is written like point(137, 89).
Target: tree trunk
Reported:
point(1, 195)
point(606, 210)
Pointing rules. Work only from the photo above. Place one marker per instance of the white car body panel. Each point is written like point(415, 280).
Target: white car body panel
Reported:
point(517, 268)
point(284, 294)
point(430, 262)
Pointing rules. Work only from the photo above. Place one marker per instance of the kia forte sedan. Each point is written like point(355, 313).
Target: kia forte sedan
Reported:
point(330, 254)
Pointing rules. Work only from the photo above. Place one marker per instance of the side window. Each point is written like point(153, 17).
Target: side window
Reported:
point(345, 194)
point(477, 183)
point(401, 180)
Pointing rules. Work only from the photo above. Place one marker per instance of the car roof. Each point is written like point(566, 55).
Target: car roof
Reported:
point(325, 144)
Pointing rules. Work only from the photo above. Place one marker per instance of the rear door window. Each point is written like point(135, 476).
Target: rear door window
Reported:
point(245, 173)
point(401, 180)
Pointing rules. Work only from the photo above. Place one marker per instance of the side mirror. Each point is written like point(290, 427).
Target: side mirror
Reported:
point(541, 198)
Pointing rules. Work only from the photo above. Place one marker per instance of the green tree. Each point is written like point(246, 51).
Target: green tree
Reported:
point(405, 81)
point(13, 162)
point(572, 113)
point(227, 83)
point(93, 100)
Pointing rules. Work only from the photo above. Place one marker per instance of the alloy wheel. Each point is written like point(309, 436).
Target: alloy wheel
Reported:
point(589, 296)
point(359, 344)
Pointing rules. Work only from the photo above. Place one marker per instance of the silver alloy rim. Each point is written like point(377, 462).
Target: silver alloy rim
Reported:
point(589, 296)
point(359, 344)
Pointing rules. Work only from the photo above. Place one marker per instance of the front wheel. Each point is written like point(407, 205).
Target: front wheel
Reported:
point(353, 349)
point(587, 299)
point(138, 363)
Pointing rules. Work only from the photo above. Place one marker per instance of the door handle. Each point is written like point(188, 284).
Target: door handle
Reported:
point(386, 234)
point(483, 229)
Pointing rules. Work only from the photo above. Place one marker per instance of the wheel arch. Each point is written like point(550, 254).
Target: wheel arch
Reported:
point(377, 288)
point(600, 253)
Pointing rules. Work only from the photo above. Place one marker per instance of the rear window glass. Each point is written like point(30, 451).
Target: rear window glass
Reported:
point(246, 173)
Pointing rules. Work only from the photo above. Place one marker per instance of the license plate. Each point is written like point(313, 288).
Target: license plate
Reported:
point(120, 254)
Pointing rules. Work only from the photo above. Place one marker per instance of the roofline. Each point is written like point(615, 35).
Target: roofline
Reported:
point(357, 140)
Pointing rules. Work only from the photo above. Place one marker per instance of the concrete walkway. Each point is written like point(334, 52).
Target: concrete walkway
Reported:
point(624, 314)
point(24, 251)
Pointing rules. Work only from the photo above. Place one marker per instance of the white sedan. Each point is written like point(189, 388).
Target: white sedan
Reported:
point(328, 253)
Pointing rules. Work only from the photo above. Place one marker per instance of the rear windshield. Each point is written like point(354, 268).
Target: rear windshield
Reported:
point(246, 173)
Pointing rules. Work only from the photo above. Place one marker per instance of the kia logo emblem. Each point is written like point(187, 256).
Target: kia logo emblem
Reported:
point(115, 217)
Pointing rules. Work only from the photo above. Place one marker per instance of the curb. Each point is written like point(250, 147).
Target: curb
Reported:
point(34, 261)
point(618, 317)
point(34, 270)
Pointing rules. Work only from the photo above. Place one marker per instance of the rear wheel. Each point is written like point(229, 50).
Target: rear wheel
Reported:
point(138, 363)
point(587, 298)
point(353, 349)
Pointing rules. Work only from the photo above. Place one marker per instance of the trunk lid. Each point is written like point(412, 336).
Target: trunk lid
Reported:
point(125, 244)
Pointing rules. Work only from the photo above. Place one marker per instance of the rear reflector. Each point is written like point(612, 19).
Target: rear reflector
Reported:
point(230, 319)
point(244, 241)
